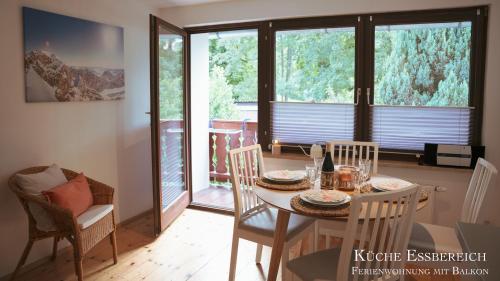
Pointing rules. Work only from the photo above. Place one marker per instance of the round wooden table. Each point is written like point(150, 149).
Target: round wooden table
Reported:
point(281, 201)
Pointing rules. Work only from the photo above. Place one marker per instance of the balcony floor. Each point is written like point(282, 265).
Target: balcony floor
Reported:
point(215, 196)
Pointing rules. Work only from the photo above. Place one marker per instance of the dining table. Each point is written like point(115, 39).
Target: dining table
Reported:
point(281, 200)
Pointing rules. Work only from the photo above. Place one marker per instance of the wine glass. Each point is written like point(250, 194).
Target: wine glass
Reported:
point(365, 167)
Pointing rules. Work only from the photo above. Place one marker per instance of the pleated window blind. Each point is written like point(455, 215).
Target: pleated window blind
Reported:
point(408, 128)
point(307, 123)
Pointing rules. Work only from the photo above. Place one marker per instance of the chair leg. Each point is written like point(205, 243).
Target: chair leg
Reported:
point(112, 237)
point(234, 257)
point(316, 235)
point(21, 262)
point(258, 255)
point(286, 275)
point(310, 243)
point(54, 248)
point(78, 264)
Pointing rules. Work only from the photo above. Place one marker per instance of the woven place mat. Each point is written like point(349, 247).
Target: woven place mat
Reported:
point(302, 185)
point(424, 194)
point(313, 210)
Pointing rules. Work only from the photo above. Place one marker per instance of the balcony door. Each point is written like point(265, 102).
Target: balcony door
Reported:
point(169, 122)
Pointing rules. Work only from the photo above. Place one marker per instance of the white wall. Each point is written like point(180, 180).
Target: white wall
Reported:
point(246, 10)
point(200, 169)
point(108, 141)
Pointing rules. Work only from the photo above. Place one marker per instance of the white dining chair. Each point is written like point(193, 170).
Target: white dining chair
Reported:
point(254, 220)
point(345, 152)
point(387, 231)
point(442, 239)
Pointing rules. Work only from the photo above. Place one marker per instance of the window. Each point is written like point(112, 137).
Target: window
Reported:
point(400, 79)
point(314, 82)
point(421, 85)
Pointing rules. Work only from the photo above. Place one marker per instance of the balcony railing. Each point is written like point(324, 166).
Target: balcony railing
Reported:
point(224, 135)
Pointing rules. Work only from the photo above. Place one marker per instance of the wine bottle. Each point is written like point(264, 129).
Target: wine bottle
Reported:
point(327, 171)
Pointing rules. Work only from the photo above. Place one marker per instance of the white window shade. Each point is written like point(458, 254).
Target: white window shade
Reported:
point(408, 128)
point(307, 123)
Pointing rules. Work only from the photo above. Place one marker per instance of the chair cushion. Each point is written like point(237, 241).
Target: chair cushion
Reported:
point(322, 265)
point(93, 214)
point(36, 183)
point(430, 238)
point(74, 195)
point(264, 223)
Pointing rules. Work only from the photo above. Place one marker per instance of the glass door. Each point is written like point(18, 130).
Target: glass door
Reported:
point(169, 132)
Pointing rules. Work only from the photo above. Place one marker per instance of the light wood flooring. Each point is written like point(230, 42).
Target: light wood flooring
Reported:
point(195, 247)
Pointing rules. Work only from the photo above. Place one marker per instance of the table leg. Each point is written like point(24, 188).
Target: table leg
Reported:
point(278, 242)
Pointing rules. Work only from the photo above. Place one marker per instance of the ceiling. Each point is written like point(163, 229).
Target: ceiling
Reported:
point(174, 3)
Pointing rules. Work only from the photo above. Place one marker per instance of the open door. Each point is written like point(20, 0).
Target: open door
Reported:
point(169, 122)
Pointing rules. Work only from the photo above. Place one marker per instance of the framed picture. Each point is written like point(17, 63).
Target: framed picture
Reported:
point(71, 59)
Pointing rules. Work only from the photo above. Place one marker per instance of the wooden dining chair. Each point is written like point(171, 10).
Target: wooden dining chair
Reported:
point(387, 232)
point(345, 152)
point(442, 239)
point(253, 220)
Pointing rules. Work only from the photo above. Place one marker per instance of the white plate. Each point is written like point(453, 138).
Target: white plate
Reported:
point(389, 184)
point(285, 175)
point(325, 197)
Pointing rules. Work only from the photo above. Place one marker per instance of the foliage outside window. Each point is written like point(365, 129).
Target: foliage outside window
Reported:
point(233, 72)
point(423, 64)
point(171, 88)
point(315, 65)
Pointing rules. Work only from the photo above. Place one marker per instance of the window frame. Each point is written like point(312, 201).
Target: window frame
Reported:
point(312, 23)
point(478, 18)
point(364, 62)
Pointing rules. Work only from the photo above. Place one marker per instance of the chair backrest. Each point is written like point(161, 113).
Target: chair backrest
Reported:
point(388, 231)
point(349, 152)
point(477, 189)
point(246, 166)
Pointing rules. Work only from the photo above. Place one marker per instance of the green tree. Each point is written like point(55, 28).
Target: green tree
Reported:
point(221, 97)
point(423, 66)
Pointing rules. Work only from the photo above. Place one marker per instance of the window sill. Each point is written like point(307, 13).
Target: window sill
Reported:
point(381, 163)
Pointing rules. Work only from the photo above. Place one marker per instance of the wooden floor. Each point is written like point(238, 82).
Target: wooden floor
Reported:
point(195, 247)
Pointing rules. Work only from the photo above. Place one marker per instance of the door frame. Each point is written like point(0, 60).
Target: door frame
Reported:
point(164, 218)
point(262, 76)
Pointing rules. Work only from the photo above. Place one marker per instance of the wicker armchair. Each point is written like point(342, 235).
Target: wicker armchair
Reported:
point(66, 225)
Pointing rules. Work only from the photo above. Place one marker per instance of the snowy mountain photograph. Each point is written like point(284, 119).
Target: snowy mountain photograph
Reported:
point(70, 59)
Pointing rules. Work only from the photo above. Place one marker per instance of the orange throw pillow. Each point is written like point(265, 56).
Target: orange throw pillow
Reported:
point(74, 195)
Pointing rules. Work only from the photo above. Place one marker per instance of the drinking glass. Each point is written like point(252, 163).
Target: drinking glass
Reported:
point(365, 167)
point(311, 174)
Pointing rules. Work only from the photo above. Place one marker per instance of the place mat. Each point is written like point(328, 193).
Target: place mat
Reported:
point(313, 210)
point(367, 188)
point(302, 185)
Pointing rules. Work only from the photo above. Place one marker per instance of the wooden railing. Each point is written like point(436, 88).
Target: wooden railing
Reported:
point(224, 135)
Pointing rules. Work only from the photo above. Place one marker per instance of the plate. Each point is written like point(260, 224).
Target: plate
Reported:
point(389, 184)
point(285, 175)
point(325, 197)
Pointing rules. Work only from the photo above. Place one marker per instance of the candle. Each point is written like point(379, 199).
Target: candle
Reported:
point(276, 148)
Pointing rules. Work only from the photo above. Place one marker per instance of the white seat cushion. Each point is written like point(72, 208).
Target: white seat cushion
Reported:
point(431, 238)
point(93, 214)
